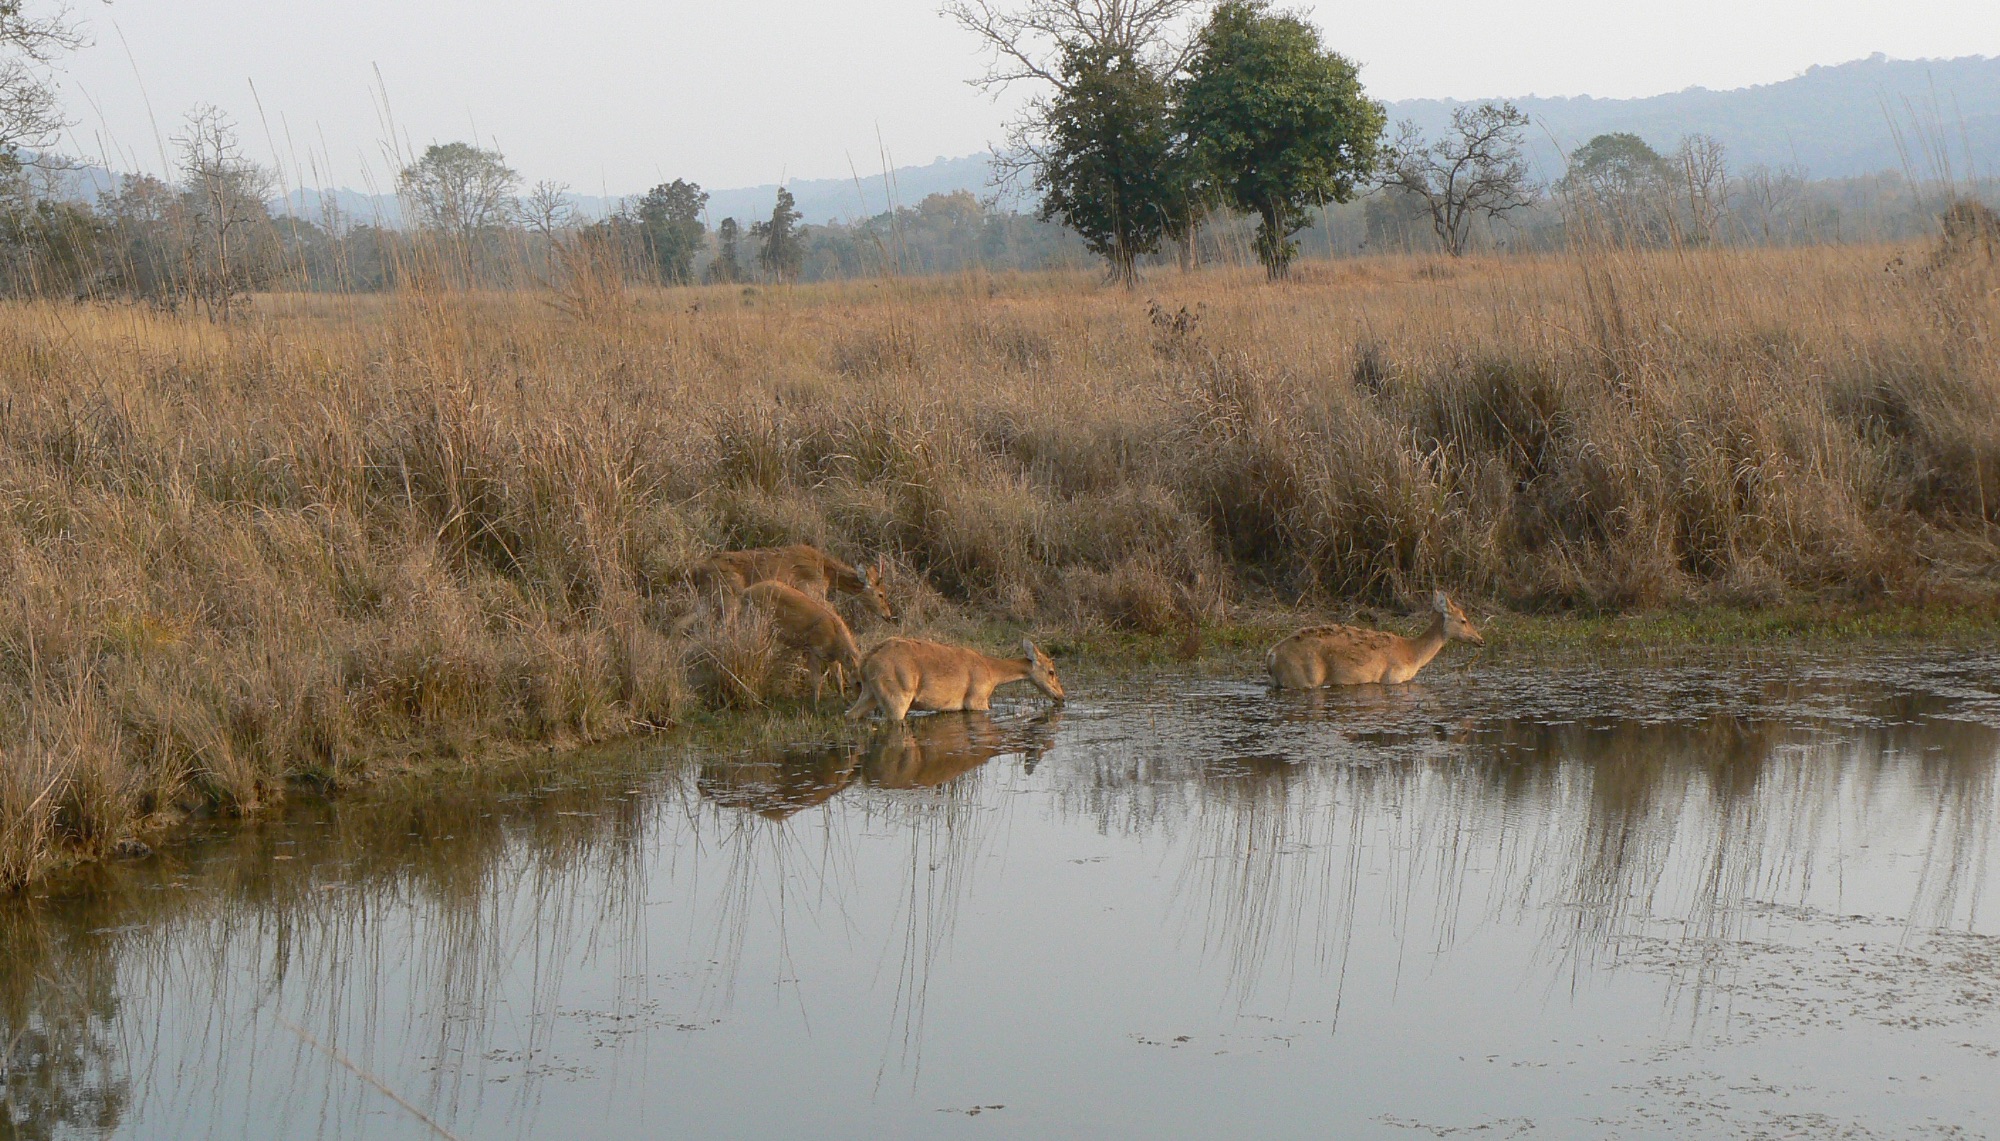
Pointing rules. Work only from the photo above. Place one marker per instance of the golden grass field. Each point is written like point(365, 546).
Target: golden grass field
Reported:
point(345, 532)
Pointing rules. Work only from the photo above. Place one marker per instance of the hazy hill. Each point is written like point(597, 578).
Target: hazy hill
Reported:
point(1834, 121)
point(821, 200)
point(825, 199)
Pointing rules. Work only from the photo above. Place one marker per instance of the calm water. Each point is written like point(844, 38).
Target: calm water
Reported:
point(1731, 899)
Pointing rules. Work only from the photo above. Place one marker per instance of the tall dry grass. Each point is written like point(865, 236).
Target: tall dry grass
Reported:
point(351, 530)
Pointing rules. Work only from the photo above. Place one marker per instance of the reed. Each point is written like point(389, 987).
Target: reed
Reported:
point(349, 531)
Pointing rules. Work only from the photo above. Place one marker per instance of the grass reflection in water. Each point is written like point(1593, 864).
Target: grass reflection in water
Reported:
point(581, 922)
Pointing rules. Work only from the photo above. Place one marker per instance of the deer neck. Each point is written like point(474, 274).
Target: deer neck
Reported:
point(1426, 645)
point(841, 577)
point(1006, 669)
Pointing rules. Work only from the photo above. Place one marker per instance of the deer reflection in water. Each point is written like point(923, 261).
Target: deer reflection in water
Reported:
point(782, 783)
point(932, 751)
point(1378, 714)
point(925, 752)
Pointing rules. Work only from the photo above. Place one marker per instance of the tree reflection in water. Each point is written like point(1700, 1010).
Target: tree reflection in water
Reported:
point(436, 939)
point(939, 755)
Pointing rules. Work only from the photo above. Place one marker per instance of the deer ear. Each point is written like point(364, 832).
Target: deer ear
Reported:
point(1440, 603)
point(1028, 648)
point(881, 565)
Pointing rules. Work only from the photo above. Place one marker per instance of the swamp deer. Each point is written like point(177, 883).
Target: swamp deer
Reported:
point(1348, 655)
point(805, 623)
point(800, 566)
point(903, 674)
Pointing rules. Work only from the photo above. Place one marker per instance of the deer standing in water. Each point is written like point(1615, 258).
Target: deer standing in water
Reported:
point(800, 566)
point(805, 623)
point(903, 674)
point(1349, 655)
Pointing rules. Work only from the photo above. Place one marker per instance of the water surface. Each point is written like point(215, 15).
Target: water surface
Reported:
point(1612, 900)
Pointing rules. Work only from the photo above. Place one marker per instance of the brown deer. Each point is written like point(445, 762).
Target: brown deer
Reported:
point(1349, 655)
point(805, 623)
point(800, 566)
point(903, 674)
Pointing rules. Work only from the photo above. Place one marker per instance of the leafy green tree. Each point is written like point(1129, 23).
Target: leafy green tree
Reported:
point(1277, 122)
point(728, 264)
point(47, 248)
point(1108, 163)
point(1474, 169)
point(670, 215)
point(1616, 163)
point(781, 241)
point(1093, 62)
point(144, 217)
point(458, 189)
point(1616, 187)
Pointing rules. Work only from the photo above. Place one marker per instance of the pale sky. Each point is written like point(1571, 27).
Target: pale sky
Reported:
point(616, 95)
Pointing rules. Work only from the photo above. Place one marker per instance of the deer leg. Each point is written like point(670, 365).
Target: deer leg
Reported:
point(863, 704)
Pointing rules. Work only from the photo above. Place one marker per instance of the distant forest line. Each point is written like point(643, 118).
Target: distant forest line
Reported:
point(1218, 133)
point(139, 242)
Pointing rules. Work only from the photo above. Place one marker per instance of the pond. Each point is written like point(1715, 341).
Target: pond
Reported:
point(1729, 896)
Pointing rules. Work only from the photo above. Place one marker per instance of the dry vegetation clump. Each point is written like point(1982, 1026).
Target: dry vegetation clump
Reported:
point(349, 531)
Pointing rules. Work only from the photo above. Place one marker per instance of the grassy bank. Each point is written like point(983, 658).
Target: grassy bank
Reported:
point(348, 532)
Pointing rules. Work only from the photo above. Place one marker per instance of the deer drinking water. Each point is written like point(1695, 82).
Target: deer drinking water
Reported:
point(1349, 655)
point(903, 674)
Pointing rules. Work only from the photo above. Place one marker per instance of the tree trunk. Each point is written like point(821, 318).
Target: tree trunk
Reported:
point(1125, 269)
point(1190, 254)
point(1271, 243)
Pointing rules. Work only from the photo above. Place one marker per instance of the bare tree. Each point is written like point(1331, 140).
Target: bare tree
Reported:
point(29, 116)
point(1028, 41)
point(1475, 169)
point(1701, 168)
point(1773, 203)
point(547, 208)
point(226, 252)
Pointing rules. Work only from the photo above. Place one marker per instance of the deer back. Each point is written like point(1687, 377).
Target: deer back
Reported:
point(806, 622)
